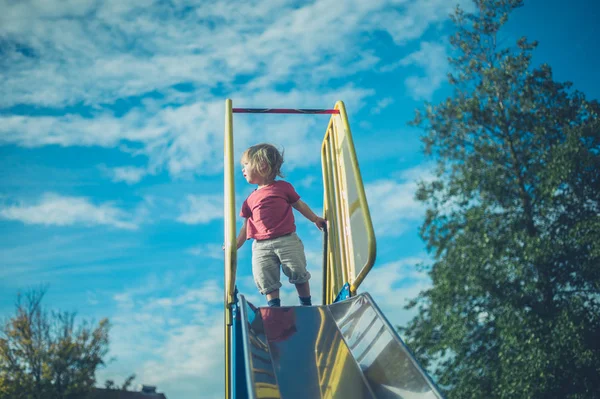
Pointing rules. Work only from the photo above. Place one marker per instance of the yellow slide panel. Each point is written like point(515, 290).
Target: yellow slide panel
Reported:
point(351, 239)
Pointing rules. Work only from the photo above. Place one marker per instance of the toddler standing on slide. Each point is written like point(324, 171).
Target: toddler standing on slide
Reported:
point(269, 219)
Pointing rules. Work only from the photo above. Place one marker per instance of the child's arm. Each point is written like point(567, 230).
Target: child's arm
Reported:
point(241, 238)
point(305, 210)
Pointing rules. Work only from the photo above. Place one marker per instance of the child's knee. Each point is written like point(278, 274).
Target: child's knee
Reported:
point(267, 289)
point(300, 278)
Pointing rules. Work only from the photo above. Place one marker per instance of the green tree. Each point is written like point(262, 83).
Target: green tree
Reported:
point(110, 384)
point(45, 355)
point(512, 223)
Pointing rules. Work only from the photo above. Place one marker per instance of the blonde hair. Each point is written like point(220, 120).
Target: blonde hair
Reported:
point(265, 159)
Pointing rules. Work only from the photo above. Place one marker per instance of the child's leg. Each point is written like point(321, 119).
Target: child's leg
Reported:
point(303, 289)
point(273, 299)
point(273, 295)
point(304, 293)
point(265, 268)
point(293, 263)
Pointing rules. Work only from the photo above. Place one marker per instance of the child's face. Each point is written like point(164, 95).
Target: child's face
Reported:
point(249, 172)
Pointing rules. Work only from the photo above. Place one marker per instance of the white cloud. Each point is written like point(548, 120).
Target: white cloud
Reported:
point(92, 297)
point(212, 251)
point(127, 174)
point(396, 205)
point(410, 21)
point(65, 255)
point(433, 58)
point(204, 44)
point(202, 209)
point(94, 53)
point(191, 360)
point(381, 105)
point(118, 51)
point(196, 299)
point(307, 182)
point(184, 139)
point(392, 201)
point(54, 209)
point(172, 341)
point(393, 284)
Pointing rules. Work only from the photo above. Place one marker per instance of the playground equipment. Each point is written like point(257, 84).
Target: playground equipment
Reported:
point(344, 348)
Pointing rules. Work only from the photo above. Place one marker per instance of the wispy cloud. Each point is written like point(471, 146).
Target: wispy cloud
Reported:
point(212, 251)
point(143, 50)
point(381, 105)
point(433, 58)
point(176, 340)
point(393, 205)
point(175, 42)
point(201, 209)
point(307, 182)
point(393, 284)
point(127, 174)
point(57, 255)
point(58, 210)
point(182, 139)
point(188, 360)
point(408, 20)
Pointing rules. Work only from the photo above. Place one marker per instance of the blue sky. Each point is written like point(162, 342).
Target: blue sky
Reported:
point(111, 137)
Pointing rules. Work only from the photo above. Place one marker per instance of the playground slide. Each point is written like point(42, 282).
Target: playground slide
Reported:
point(343, 350)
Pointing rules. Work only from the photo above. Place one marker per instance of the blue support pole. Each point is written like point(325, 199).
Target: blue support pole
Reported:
point(240, 387)
point(343, 294)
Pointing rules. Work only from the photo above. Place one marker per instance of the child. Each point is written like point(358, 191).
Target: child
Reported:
point(269, 219)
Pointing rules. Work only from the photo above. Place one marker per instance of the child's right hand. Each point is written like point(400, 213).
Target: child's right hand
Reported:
point(320, 223)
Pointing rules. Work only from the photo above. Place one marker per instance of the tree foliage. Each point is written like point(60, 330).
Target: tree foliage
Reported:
point(45, 355)
point(110, 384)
point(513, 223)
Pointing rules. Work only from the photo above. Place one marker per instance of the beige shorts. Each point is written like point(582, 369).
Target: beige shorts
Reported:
point(267, 257)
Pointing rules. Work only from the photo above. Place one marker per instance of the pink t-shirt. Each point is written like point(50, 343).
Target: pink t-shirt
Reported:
point(269, 211)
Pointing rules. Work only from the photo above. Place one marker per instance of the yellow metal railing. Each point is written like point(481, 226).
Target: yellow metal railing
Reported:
point(351, 239)
point(229, 240)
point(229, 211)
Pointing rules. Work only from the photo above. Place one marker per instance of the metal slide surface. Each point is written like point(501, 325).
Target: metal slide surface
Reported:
point(344, 350)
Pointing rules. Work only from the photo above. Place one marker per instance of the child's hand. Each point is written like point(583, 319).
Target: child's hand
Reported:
point(320, 223)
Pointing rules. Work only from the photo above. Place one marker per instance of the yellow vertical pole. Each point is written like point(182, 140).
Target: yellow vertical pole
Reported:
point(332, 277)
point(337, 245)
point(230, 247)
point(327, 214)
